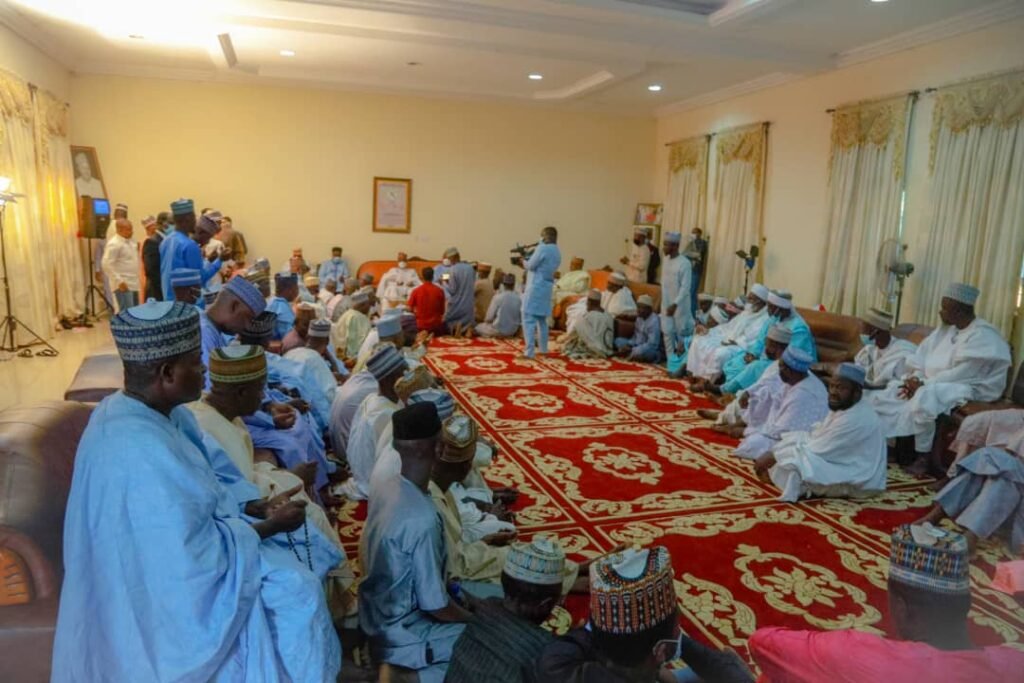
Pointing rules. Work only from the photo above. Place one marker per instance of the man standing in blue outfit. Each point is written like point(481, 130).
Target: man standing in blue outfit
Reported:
point(676, 310)
point(165, 580)
point(180, 250)
point(540, 281)
point(286, 290)
point(404, 606)
point(334, 269)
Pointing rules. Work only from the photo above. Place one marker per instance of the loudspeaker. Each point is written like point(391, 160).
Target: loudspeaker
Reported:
point(94, 217)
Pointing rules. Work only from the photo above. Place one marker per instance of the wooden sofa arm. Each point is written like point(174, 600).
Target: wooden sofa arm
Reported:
point(41, 572)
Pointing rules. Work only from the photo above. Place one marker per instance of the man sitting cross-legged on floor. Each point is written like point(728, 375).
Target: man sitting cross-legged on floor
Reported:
point(503, 641)
point(504, 314)
point(776, 342)
point(645, 344)
point(802, 402)
point(404, 605)
point(843, 455)
point(753, 405)
point(593, 334)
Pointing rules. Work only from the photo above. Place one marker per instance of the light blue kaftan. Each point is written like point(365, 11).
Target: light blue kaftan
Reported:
point(165, 581)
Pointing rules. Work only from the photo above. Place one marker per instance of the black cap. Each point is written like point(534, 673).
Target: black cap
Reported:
point(418, 421)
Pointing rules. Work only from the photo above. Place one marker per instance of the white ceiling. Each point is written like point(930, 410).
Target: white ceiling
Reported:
point(594, 54)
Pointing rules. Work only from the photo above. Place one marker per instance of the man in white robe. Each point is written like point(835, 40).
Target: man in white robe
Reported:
point(883, 357)
point(844, 455)
point(638, 257)
point(711, 349)
point(396, 284)
point(153, 540)
point(317, 373)
point(676, 306)
point(594, 335)
point(964, 359)
point(350, 330)
point(373, 416)
point(803, 402)
point(617, 298)
point(573, 283)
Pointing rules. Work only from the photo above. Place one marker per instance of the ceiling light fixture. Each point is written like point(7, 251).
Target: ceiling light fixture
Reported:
point(654, 87)
point(287, 53)
point(879, 0)
point(412, 63)
point(536, 77)
point(136, 36)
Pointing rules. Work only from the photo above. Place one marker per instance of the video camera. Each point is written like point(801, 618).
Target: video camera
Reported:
point(522, 253)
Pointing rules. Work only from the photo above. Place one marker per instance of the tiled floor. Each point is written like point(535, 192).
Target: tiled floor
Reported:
point(24, 381)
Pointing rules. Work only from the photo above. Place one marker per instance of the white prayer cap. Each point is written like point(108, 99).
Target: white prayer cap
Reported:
point(645, 300)
point(962, 292)
point(760, 291)
point(617, 277)
point(776, 299)
point(780, 333)
point(880, 320)
point(704, 297)
point(720, 301)
point(673, 237)
point(594, 295)
point(148, 221)
point(451, 251)
point(360, 298)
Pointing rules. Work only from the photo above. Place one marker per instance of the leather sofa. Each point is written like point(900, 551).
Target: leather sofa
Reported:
point(599, 281)
point(37, 453)
point(378, 268)
point(100, 374)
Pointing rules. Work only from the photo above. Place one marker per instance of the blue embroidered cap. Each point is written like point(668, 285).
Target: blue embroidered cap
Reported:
point(851, 372)
point(389, 326)
point(180, 207)
point(797, 360)
point(261, 326)
point(943, 567)
point(156, 330)
point(248, 293)
point(441, 399)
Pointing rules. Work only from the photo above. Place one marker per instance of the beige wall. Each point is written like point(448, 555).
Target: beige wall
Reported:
point(295, 166)
point(799, 141)
point(25, 60)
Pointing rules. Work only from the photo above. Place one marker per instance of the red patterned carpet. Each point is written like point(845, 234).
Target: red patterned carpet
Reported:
point(609, 452)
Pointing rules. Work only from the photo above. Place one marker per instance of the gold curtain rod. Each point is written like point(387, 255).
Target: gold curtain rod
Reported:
point(708, 136)
point(909, 93)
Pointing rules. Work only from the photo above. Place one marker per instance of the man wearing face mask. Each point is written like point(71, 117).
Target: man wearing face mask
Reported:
point(638, 258)
point(883, 357)
point(334, 269)
point(397, 283)
point(711, 349)
point(440, 269)
point(843, 455)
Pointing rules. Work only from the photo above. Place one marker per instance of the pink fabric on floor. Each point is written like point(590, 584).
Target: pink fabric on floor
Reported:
point(1009, 577)
point(789, 656)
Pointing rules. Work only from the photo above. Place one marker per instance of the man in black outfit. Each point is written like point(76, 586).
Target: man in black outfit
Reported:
point(151, 255)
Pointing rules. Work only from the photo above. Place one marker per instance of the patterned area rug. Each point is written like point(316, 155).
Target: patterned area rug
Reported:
point(610, 452)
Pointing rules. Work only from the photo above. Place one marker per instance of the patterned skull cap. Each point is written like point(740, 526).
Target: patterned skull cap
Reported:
point(156, 330)
point(247, 293)
point(942, 568)
point(962, 292)
point(632, 591)
point(237, 364)
point(459, 433)
point(540, 562)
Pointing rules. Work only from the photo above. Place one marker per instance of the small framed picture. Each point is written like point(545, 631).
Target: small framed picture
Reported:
point(88, 177)
point(392, 205)
point(648, 214)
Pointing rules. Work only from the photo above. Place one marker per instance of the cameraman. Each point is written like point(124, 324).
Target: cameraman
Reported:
point(540, 281)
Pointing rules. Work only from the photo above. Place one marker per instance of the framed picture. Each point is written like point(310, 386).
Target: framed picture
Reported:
point(392, 205)
point(648, 214)
point(88, 177)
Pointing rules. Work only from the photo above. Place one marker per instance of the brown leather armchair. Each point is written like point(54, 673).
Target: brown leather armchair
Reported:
point(37, 453)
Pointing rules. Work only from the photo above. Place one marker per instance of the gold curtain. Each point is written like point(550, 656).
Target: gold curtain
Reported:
point(997, 100)
point(736, 216)
point(39, 228)
point(865, 190)
point(686, 200)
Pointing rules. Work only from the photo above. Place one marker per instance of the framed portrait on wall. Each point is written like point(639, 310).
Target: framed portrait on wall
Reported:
point(392, 205)
point(648, 213)
point(88, 177)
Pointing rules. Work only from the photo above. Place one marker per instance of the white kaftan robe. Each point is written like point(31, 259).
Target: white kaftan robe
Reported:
point(618, 303)
point(395, 286)
point(881, 366)
point(761, 395)
point(798, 407)
point(639, 258)
point(675, 291)
point(373, 417)
point(956, 366)
point(709, 352)
point(843, 455)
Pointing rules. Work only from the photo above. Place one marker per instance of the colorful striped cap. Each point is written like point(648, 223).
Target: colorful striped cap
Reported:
point(180, 207)
point(320, 329)
point(943, 567)
point(156, 330)
point(540, 562)
point(459, 433)
point(632, 591)
point(237, 364)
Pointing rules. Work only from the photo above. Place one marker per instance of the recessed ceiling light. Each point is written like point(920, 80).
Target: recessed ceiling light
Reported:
point(287, 53)
point(136, 36)
point(879, 0)
point(412, 63)
point(536, 77)
point(654, 87)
